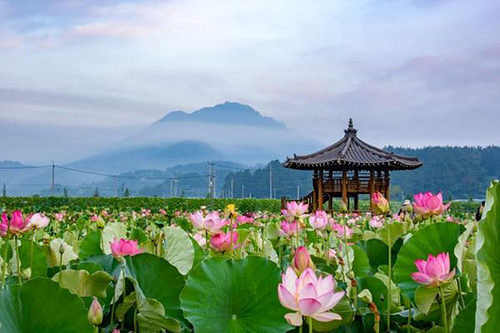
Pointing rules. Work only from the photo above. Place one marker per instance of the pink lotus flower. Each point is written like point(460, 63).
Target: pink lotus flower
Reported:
point(332, 253)
point(319, 220)
point(339, 229)
point(376, 222)
point(200, 239)
point(380, 205)
point(124, 247)
point(302, 260)
point(223, 241)
point(94, 218)
point(295, 210)
point(17, 225)
point(435, 271)
point(163, 212)
point(59, 216)
point(309, 296)
point(211, 222)
point(242, 219)
point(289, 228)
point(426, 204)
point(38, 221)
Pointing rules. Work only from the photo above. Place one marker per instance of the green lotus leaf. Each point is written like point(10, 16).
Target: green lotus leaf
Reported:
point(234, 296)
point(84, 284)
point(432, 239)
point(156, 278)
point(179, 250)
point(488, 263)
point(90, 245)
point(41, 306)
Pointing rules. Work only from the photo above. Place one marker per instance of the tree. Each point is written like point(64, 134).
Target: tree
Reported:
point(96, 193)
point(126, 193)
point(65, 192)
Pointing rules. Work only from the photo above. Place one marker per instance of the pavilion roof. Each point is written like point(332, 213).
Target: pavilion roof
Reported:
point(352, 153)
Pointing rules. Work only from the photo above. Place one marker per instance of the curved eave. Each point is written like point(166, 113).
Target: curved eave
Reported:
point(340, 165)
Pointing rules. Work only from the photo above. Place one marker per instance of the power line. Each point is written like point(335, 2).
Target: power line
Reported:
point(128, 177)
point(25, 167)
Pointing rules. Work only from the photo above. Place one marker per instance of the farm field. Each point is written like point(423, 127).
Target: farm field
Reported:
point(185, 265)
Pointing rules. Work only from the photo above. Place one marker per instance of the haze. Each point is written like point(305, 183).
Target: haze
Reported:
point(77, 76)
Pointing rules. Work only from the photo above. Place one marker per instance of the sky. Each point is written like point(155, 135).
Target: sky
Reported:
point(76, 74)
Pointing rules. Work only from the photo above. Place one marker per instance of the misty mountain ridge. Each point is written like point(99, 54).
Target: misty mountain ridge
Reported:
point(231, 113)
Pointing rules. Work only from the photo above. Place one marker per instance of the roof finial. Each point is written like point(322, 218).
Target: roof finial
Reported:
point(350, 129)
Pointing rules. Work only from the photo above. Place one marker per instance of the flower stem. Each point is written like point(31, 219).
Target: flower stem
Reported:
point(444, 315)
point(390, 278)
point(31, 254)
point(18, 261)
point(4, 268)
point(310, 323)
point(460, 293)
point(207, 245)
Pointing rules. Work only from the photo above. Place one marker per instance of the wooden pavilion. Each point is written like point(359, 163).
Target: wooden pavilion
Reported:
point(348, 168)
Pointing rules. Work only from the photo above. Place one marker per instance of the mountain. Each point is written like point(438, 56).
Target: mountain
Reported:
point(229, 131)
point(237, 131)
point(230, 113)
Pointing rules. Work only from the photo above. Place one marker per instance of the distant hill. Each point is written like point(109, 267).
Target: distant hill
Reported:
point(158, 156)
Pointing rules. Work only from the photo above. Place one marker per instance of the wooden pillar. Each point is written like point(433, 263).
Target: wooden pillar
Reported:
point(315, 190)
point(372, 186)
point(330, 203)
point(320, 190)
point(348, 204)
point(387, 185)
point(356, 203)
point(344, 186)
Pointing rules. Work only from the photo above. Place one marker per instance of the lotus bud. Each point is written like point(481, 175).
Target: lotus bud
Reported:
point(380, 205)
point(46, 239)
point(350, 275)
point(61, 249)
point(100, 222)
point(95, 313)
point(366, 296)
point(343, 207)
point(302, 260)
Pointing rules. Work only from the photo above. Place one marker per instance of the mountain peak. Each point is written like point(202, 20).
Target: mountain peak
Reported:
point(232, 113)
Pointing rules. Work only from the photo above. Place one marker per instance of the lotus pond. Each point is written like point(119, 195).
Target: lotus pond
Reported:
point(231, 270)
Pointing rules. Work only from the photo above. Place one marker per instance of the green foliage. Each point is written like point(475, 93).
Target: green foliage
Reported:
point(56, 204)
point(432, 239)
point(234, 296)
point(488, 263)
point(41, 306)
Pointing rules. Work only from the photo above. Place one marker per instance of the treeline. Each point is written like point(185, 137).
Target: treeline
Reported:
point(457, 172)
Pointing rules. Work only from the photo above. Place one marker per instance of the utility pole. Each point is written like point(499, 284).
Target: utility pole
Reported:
point(211, 180)
point(175, 185)
point(53, 178)
point(232, 187)
point(171, 187)
point(4, 190)
point(270, 181)
point(298, 191)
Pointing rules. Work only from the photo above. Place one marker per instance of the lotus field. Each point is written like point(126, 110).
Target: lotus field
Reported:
point(421, 270)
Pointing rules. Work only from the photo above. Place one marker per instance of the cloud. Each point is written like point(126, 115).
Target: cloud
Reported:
point(431, 65)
